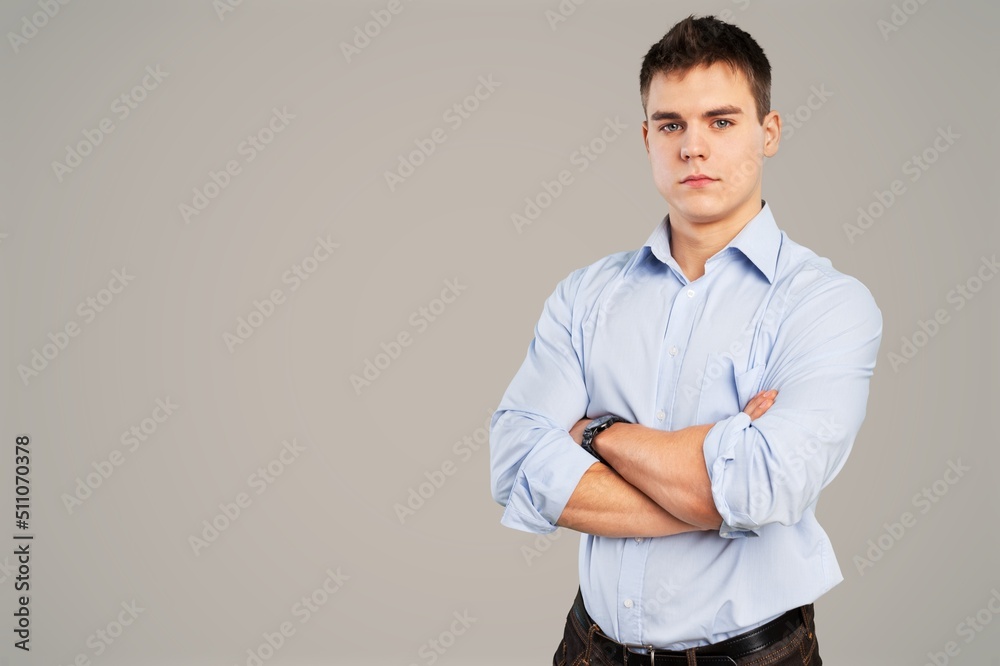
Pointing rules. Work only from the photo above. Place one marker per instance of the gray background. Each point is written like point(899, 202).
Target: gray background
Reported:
point(323, 175)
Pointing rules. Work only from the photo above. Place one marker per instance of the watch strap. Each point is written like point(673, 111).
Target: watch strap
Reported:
point(593, 429)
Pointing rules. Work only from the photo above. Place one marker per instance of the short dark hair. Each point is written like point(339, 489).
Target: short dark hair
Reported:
point(704, 41)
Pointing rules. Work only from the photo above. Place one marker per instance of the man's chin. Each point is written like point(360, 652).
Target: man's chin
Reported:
point(704, 214)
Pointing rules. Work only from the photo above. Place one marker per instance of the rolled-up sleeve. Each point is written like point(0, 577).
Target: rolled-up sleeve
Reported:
point(534, 463)
point(771, 470)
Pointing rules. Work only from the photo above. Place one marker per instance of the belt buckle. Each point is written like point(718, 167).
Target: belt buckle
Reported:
point(652, 650)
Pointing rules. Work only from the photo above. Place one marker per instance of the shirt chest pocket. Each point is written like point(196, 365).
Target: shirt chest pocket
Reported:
point(725, 391)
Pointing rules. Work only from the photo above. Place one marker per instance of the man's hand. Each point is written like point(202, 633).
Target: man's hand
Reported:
point(758, 404)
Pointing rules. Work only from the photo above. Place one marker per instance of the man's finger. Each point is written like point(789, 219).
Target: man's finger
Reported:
point(754, 402)
point(760, 403)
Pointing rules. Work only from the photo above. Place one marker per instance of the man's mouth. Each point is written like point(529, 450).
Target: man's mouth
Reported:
point(698, 180)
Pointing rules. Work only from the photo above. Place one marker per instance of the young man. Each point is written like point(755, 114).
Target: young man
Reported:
point(683, 404)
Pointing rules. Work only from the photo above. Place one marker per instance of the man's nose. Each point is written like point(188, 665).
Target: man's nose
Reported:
point(693, 145)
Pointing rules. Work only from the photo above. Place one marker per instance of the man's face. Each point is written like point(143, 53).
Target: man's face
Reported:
point(704, 122)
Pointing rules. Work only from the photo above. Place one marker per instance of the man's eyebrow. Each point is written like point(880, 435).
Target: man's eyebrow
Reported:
point(711, 113)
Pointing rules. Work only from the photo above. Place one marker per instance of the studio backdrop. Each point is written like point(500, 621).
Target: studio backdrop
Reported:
point(268, 268)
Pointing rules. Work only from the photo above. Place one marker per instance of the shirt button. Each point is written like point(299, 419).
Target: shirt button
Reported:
point(660, 415)
point(638, 539)
point(690, 293)
point(672, 351)
point(628, 603)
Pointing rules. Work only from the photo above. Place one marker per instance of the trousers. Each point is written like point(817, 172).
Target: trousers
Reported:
point(584, 644)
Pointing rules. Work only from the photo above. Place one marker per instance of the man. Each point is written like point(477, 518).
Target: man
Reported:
point(716, 379)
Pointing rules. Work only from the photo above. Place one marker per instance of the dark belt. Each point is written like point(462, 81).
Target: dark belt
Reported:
point(723, 653)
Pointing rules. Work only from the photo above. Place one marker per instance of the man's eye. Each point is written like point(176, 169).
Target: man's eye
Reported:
point(669, 125)
point(728, 123)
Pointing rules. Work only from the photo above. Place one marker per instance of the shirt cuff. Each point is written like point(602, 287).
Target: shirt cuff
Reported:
point(719, 449)
point(544, 484)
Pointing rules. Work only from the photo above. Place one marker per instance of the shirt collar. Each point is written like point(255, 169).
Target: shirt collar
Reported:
point(759, 241)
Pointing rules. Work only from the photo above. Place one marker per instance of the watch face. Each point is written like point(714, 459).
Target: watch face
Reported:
point(599, 422)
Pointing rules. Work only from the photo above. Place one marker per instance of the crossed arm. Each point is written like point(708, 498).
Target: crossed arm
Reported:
point(657, 484)
point(764, 468)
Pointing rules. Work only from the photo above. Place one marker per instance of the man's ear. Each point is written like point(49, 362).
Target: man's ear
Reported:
point(645, 135)
point(772, 133)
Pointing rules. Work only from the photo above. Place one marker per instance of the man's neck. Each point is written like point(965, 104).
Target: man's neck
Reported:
point(691, 245)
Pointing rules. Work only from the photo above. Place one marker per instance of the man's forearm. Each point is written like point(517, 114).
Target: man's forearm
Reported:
point(605, 504)
point(668, 467)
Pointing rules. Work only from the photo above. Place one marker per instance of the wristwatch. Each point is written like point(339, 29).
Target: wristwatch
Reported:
point(595, 427)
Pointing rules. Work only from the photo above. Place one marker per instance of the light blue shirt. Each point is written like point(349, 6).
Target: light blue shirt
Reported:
point(631, 335)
